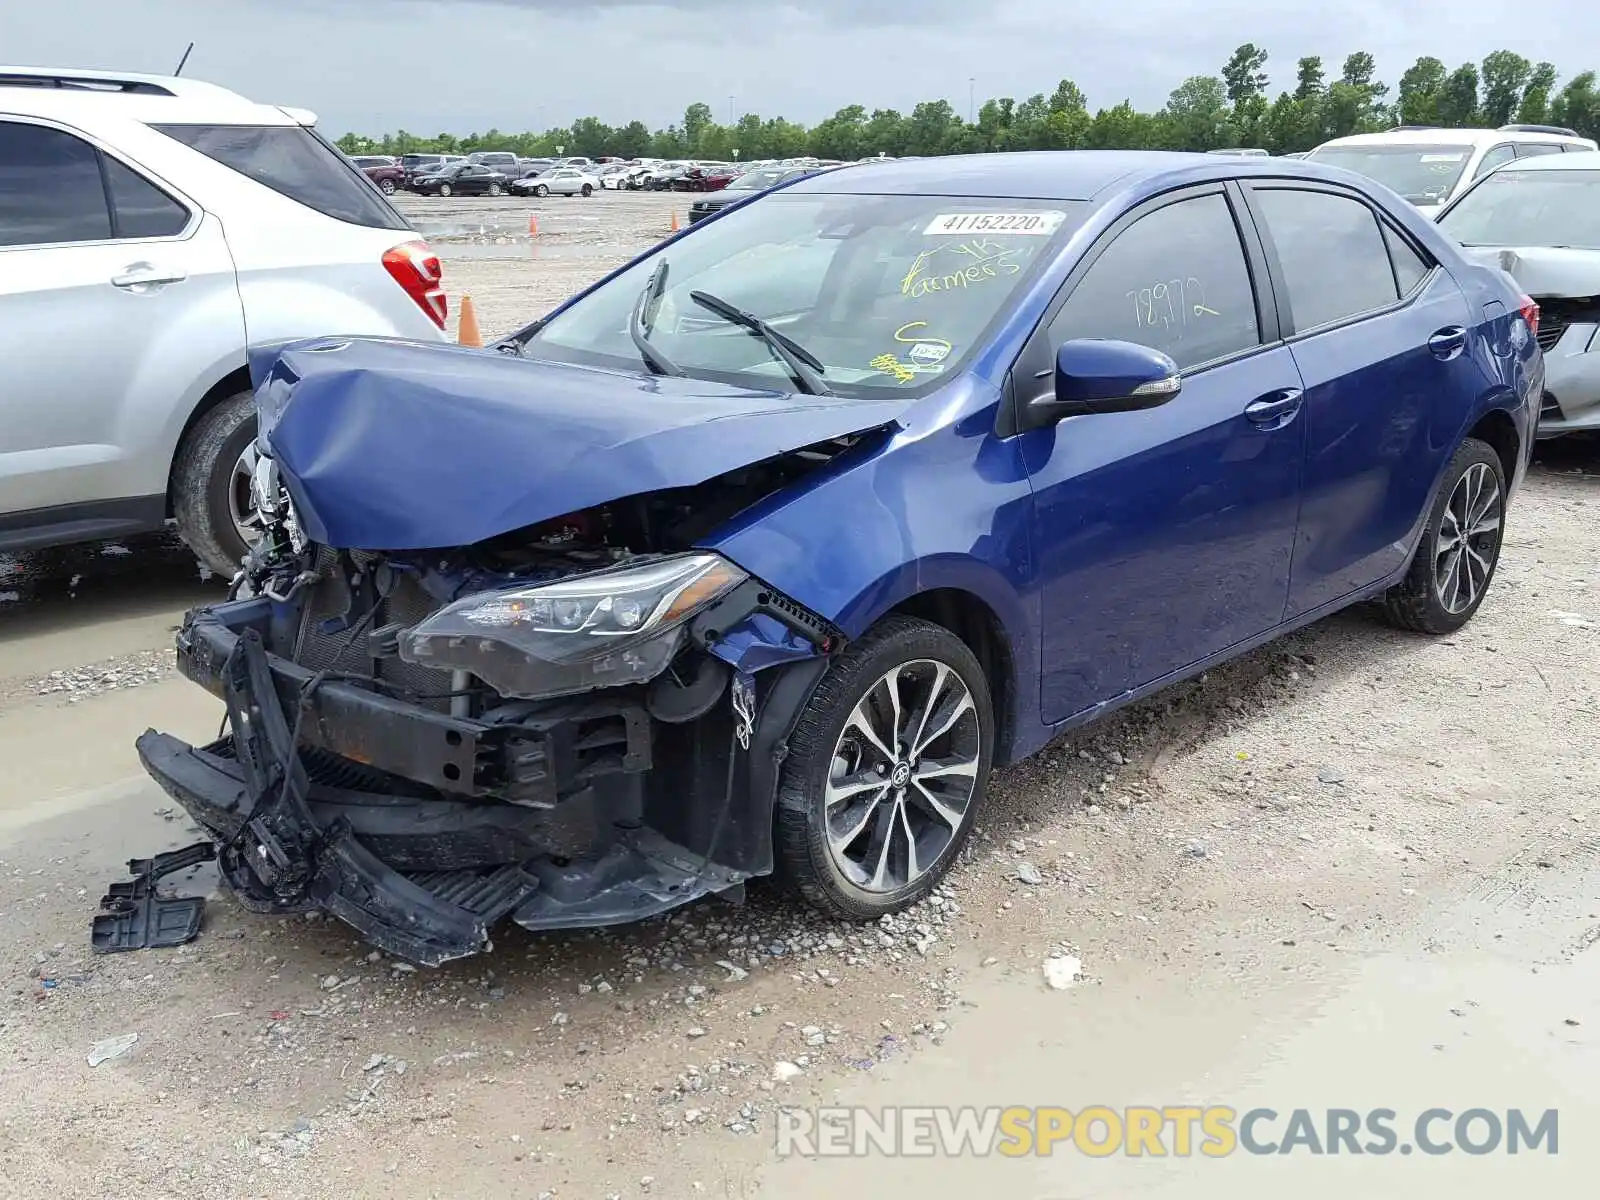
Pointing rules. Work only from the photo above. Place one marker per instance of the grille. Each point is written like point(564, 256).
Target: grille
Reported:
point(1550, 330)
point(408, 603)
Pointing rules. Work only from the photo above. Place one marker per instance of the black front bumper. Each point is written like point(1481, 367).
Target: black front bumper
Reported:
point(422, 830)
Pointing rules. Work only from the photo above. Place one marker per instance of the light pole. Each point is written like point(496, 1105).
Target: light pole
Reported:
point(972, 99)
point(730, 112)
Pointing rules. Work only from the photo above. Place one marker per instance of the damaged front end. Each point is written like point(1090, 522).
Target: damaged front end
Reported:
point(577, 723)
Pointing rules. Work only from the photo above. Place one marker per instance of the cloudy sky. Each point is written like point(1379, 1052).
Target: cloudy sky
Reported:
point(376, 65)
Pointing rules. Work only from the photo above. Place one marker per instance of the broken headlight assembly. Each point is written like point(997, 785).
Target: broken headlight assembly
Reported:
point(598, 630)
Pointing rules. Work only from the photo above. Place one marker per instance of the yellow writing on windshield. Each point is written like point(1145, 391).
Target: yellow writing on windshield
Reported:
point(986, 259)
point(890, 365)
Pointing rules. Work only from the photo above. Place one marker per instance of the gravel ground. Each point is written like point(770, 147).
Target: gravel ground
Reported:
point(1232, 847)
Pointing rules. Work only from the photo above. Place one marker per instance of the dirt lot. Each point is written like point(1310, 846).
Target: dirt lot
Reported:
point(1355, 869)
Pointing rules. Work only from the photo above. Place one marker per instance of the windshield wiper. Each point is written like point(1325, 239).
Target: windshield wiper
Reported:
point(658, 362)
point(805, 366)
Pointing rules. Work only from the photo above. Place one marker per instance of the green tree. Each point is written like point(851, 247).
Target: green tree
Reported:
point(928, 126)
point(886, 133)
point(1244, 74)
point(1457, 105)
point(1121, 128)
point(1505, 75)
point(1535, 106)
point(1308, 78)
point(1418, 102)
point(1578, 106)
point(697, 119)
point(632, 140)
point(1354, 103)
point(1196, 115)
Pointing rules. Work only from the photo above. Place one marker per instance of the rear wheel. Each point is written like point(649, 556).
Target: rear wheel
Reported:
point(588, 191)
point(886, 770)
point(494, 189)
point(211, 496)
point(387, 187)
point(1460, 548)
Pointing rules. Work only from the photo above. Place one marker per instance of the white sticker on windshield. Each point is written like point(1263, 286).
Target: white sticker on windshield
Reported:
point(1443, 157)
point(1036, 224)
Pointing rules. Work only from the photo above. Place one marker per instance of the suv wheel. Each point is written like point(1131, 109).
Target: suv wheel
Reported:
point(886, 770)
point(387, 187)
point(1460, 548)
point(211, 485)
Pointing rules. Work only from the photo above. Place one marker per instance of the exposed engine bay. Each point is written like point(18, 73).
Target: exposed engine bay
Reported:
point(575, 723)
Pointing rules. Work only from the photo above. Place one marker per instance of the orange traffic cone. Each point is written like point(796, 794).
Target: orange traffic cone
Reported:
point(467, 332)
point(533, 225)
point(674, 220)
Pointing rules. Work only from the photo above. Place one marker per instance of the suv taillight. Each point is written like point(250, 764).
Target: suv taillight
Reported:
point(416, 269)
point(1530, 313)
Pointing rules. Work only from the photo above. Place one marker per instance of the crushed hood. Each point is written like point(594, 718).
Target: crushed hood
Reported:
point(392, 445)
point(1544, 272)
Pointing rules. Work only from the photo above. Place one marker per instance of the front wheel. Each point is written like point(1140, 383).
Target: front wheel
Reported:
point(387, 187)
point(445, 189)
point(886, 770)
point(541, 191)
point(211, 495)
point(587, 191)
point(494, 189)
point(1460, 547)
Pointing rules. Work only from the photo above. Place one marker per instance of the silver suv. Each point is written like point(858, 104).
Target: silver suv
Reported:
point(152, 231)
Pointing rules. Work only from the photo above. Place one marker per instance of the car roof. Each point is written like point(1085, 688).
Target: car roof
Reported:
point(72, 95)
point(1429, 136)
point(1053, 174)
point(1575, 160)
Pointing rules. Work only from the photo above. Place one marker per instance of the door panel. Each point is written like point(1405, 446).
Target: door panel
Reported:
point(1164, 536)
point(1379, 373)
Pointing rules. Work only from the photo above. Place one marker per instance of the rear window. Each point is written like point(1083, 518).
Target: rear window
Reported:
point(294, 162)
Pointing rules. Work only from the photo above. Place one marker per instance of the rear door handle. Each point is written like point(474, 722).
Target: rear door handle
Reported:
point(1448, 342)
point(143, 274)
point(1275, 409)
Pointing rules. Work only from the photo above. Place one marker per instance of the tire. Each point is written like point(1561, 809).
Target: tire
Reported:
point(1443, 589)
point(202, 478)
point(827, 742)
point(588, 191)
point(445, 189)
point(541, 191)
point(494, 189)
point(387, 187)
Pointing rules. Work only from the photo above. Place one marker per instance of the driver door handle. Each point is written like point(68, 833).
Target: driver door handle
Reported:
point(1275, 408)
point(143, 275)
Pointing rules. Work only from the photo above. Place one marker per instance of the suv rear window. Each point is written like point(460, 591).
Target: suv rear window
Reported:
point(294, 162)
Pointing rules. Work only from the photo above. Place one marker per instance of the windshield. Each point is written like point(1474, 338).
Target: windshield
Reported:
point(885, 292)
point(754, 180)
point(1422, 174)
point(1529, 208)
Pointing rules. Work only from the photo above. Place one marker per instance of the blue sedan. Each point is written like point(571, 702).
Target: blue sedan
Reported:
point(758, 555)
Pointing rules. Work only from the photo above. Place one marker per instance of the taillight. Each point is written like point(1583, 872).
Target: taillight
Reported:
point(1530, 313)
point(416, 269)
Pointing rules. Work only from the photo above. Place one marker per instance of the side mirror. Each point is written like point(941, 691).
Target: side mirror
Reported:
point(1099, 375)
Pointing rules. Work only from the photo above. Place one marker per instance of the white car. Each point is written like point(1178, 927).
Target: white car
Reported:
point(559, 181)
point(1431, 167)
point(152, 231)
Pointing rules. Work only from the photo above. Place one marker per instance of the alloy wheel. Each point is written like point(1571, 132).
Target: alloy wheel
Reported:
point(1468, 540)
point(902, 776)
point(242, 510)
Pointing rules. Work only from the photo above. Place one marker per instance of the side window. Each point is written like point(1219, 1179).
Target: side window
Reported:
point(1534, 149)
point(1495, 157)
point(1175, 280)
point(1332, 254)
point(50, 189)
point(1410, 268)
point(143, 210)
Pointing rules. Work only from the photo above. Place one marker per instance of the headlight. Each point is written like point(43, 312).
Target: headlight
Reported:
point(574, 635)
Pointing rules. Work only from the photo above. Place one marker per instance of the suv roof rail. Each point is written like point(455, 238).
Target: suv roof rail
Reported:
point(1416, 127)
point(88, 82)
point(1557, 129)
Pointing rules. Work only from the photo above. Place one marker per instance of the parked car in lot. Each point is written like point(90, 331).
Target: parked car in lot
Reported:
point(761, 553)
point(1430, 167)
point(151, 229)
point(387, 174)
point(708, 177)
point(1539, 221)
point(559, 181)
point(461, 179)
point(742, 188)
point(503, 161)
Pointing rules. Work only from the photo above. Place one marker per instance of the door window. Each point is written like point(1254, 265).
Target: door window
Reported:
point(1332, 254)
point(1495, 157)
point(1410, 268)
point(1535, 149)
point(142, 209)
point(50, 190)
point(1175, 280)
